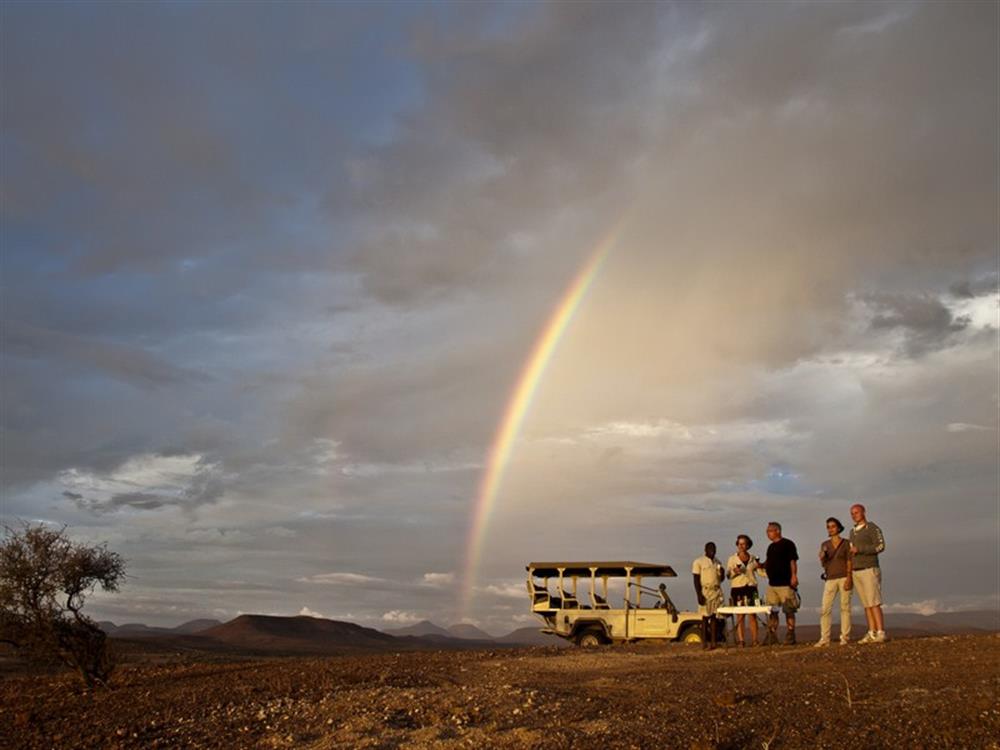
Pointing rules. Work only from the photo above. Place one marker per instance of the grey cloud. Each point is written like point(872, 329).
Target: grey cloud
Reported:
point(926, 322)
point(879, 428)
point(204, 488)
point(163, 165)
point(138, 500)
point(776, 168)
point(515, 129)
point(778, 161)
point(126, 363)
point(406, 411)
point(44, 416)
point(734, 154)
point(977, 287)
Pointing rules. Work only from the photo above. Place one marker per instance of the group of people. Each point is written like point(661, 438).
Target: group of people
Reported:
point(848, 565)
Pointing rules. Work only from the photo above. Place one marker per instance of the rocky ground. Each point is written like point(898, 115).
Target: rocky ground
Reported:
point(914, 693)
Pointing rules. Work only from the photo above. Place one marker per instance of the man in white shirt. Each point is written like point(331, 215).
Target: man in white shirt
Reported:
point(708, 576)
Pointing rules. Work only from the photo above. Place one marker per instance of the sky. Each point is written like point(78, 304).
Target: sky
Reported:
point(271, 274)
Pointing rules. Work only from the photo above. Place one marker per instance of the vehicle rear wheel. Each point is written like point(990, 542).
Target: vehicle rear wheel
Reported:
point(590, 639)
point(691, 634)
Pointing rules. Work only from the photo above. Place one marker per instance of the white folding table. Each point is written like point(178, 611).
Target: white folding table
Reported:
point(754, 610)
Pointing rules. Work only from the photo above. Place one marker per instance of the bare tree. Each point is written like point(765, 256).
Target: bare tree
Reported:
point(44, 581)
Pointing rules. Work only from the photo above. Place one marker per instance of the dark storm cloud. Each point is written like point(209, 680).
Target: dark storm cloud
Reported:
point(321, 239)
point(785, 160)
point(160, 146)
point(125, 363)
point(397, 413)
point(162, 165)
point(925, 321)
point(515, 129)
point(977, 287)
point(812, 107)
point(784, 167)
point(165, 179)
point(205, 487)
point(138, 500)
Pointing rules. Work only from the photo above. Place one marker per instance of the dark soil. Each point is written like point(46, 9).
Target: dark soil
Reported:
point(914, 693)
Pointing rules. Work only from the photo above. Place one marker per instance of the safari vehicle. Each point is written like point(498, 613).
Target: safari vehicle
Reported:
point(590, 620)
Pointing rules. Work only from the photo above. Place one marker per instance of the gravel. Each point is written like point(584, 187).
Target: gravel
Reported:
point(914, 693)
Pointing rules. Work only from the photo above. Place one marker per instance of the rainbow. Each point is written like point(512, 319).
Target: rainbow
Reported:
point(518, 405)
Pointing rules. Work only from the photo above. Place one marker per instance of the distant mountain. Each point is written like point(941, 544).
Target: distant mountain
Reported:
point(310, 634)
point(196, 626)
point(298, 635)
point(947, 622)
point(262, 633)
point(465, 630)
point(139, 630)
point(422, 628)
point(531, 637)
point(911, 625)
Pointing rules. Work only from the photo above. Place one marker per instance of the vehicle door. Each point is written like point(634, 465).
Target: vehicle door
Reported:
point(648, 623)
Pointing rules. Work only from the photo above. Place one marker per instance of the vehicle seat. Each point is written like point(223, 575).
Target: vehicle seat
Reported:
point(540, 596)
point(570, 602)
point(600, 602)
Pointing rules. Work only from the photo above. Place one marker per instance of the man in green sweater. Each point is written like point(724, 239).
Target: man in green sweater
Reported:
point(866, 544)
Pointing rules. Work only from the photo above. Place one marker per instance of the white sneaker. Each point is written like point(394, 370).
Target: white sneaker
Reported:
point(869, 637)
point(821, 644)
point(844, 640)
point(879, 637)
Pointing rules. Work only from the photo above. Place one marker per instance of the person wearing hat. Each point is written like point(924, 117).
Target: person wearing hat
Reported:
point(835, 557)
point(741, 569)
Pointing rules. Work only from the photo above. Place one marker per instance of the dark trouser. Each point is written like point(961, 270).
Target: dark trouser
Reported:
point(709, 631)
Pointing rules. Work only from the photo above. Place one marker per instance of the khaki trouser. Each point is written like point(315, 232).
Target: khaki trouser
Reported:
point(713, 600)
point(830, 590)
point(868, 582)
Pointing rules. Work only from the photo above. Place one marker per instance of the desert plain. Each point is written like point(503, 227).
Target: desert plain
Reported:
point(930, 692)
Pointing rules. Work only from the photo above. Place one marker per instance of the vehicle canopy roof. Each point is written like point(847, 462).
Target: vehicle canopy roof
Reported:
point(617, 568)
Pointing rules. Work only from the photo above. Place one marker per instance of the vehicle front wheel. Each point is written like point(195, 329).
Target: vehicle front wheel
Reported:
point(691, 634)
point(589, 639)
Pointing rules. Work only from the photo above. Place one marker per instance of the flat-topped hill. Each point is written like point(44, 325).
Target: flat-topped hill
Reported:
point(266, 632)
